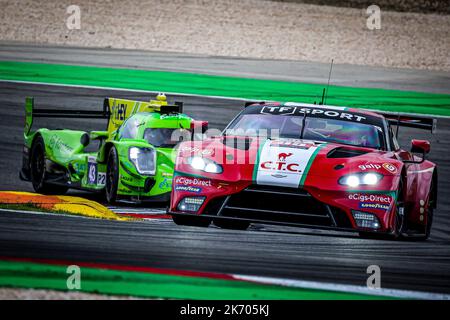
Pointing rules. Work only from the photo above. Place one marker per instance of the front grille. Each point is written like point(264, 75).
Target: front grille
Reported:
point(284, 205)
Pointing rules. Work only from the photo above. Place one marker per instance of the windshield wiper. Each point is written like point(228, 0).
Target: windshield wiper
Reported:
point(303, 124)
point(166, 145)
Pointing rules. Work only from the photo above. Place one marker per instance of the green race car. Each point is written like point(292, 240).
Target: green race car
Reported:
point(135, 157)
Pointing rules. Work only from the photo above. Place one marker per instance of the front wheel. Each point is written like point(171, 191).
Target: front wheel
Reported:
point(399, 223)
point(112, 176)
point(396, 233)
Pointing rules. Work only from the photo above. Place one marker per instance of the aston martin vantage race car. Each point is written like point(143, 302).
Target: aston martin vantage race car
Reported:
point(134, 159)
point(310, 166)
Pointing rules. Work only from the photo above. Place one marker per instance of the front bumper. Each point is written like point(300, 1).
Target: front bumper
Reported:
point(288, 206)
point(133, 185)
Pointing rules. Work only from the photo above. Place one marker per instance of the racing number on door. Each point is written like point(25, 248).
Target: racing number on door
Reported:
point(101, 178)
point(92, 173)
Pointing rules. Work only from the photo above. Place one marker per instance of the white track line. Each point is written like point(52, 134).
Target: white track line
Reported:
point(46, 213)
point(153, 220)
point(171, 93)
point(156, 220)
point(119, 89)
point(396, 293)
point(137, 210)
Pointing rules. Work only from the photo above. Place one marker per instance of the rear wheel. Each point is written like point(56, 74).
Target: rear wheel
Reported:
point(191, 221)
point(232, 224)
point(38, 171)
point(112, 176)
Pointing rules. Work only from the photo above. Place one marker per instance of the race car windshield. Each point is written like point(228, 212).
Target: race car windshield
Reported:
point(318, 129)
point(165, 137)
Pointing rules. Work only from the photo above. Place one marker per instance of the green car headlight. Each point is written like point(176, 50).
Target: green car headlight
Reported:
point(144, 159)
point(204, 164)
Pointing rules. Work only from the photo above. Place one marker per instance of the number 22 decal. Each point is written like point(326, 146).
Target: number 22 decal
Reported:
point(102, 178)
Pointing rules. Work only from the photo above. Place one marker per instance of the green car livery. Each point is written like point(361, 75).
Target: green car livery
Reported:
point(135, 157)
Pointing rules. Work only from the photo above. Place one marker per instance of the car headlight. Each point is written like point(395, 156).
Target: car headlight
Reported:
point(366, 220)
point(191, 204)
point(361, 179)
point(204, 164)
point(144, 159)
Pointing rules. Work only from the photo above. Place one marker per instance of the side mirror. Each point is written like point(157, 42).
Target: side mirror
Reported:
point(99, 135)
point(420, 146)
point(198, 128)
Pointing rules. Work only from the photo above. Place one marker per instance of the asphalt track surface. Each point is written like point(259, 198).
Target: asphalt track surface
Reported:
point(263, 250)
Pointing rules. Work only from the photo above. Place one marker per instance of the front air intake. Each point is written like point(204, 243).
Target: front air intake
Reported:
point(343, 152)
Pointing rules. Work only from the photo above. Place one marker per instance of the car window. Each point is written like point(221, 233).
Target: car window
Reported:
point(331, 130)
point(129, 128)
point(321, 129)
point(166, 137)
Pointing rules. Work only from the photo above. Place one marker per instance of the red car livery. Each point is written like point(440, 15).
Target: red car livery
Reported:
point(309, 166)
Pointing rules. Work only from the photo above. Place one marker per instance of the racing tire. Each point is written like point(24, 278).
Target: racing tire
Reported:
point(191, 221)
point(112, 176)
point(232, 224)
point(38, 173)
point(395, 235)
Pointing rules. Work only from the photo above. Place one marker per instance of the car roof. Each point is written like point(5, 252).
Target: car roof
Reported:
point(331, 107)
point(364, 112)
point(318, 106)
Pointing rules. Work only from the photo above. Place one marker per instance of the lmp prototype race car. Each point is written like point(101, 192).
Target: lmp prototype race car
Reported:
point(313, 166)
point(134, 159)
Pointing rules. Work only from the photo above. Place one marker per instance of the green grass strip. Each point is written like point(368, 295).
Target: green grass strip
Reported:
point(188, 83)
point(152, 285)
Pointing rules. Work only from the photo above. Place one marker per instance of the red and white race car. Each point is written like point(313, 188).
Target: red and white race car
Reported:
point(309, 166)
